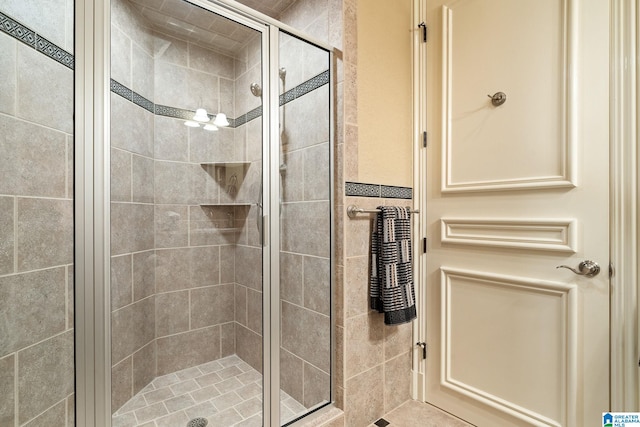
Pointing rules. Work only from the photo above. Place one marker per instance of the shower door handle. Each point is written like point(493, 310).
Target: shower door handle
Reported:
point(264, 233)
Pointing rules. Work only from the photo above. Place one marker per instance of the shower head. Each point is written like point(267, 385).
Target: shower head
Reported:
point(256, 90)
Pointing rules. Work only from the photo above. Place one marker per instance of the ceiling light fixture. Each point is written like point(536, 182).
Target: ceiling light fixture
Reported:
point(201, 117)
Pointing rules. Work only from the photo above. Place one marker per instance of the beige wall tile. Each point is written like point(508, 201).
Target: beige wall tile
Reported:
point(131, 127)
point(121, 281)
point(188, 349)
point(358, 229)
point(356, 287)
point(142, 66)
point(397, 381)
point(33, 159)
point(7, 391)
point(7, 239)
point(144, 267)
point(338, 298)
point(307, 119)
point(120, 56)
point(249, 267)
point(296, 338)
point(54, 416)
point(132, 327)
point(397, 340)
point(305, 228)
point(293, 177)
point(227, 264)
point(364, 401)
point(32, 307)
point(175, 183)
point(317, 386)
point(171, 139)
point(316, 172)
point(317, 284)
point(121, 383)
point(171, 226)
point(172, 270)
point(363, 343)
point(120, 175)
point(172, 313)
point(241, 304)
point(338, 373)
point(71, 411)
point(45, 375)
point(8, 84)
point(227, 339)
point(254, 311)
point(45, 233)
point(291, 283)
point(144, 366)
point(291, 375)
point(36, 72)
point(131, 228)
point(212, 305)
point(215, 146)
point(142, 179)
point(249, 347)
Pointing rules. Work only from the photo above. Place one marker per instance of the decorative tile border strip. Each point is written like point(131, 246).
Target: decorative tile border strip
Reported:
point(359, 189)
point(305, 87)
point(29, 37)
point(180, 113)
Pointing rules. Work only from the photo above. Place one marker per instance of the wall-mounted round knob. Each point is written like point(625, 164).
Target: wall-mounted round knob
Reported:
point(498, 98)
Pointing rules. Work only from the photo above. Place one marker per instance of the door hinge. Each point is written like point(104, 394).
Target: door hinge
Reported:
point(424, 245)
point(424, 31)
point(424, 348)
point(424, 139)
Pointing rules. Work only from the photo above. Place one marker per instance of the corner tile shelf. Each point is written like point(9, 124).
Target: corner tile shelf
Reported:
point(225, 164)
point(213, 205)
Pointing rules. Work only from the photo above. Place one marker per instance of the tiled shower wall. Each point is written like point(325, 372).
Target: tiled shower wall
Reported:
point(173, 274)
point(36, 215)
point(208, 286)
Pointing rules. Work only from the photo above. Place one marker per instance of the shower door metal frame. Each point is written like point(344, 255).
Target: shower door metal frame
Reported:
point(92, 205)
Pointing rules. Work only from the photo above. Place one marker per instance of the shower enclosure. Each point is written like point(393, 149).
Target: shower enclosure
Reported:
point(220, 260)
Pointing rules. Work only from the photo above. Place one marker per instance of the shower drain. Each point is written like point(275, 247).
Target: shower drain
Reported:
point(197, 422)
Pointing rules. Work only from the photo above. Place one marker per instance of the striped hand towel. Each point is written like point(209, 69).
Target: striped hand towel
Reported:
point(391, 282)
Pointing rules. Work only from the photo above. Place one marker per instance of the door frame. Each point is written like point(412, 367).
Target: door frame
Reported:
point(623, 183)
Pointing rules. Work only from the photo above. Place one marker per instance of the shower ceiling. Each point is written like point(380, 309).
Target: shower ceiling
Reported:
point(198, 25)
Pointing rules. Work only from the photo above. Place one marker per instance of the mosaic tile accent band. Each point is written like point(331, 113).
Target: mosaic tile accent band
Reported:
point(29, 37)
point(359, 189)
point(180, 113)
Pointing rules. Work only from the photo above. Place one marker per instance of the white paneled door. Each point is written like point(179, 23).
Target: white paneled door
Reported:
point(514, 190)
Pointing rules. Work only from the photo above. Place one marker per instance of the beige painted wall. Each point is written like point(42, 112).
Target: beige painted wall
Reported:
point(384, 92)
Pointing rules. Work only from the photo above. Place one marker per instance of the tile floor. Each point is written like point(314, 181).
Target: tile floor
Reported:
point(227, 392)
point(418, 414)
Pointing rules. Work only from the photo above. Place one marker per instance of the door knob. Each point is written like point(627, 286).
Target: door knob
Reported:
point(585, 268)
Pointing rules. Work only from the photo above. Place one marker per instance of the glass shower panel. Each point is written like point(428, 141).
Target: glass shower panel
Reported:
point(305, 240)
point(186, 255)
point(36, 214)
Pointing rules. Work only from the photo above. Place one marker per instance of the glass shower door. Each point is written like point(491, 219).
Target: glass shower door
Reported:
point(186, 218)
point(305, 170)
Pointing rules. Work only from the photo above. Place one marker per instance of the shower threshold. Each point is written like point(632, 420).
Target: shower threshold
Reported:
point(226, 392)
